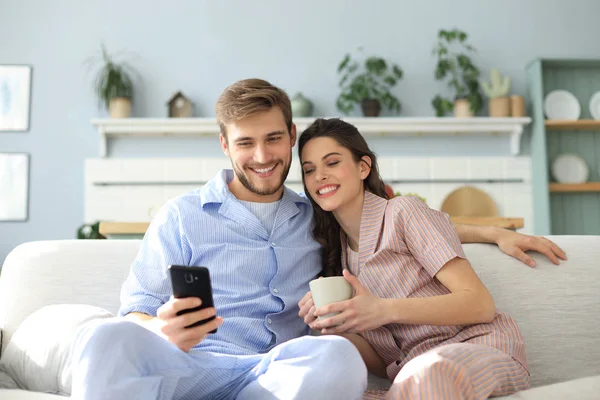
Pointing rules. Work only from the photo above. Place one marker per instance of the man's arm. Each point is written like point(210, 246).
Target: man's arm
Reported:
point(512, 243)
point(146, 295)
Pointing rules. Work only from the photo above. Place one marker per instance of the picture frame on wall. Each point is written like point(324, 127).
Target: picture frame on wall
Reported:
point(15, 97)
point(14, 187)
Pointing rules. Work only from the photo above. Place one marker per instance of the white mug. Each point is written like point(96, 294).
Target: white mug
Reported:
point(330, 290)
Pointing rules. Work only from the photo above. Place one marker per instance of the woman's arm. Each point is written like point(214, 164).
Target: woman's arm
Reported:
point(477, 234)
point(511, 243)
point(468, 303)
point(372, 360)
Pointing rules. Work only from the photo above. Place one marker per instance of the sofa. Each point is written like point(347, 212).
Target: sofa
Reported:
point(556, 306)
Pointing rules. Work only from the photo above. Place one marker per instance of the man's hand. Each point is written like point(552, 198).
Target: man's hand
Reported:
point(516, 244)
point(173, 327)
point(307, 308)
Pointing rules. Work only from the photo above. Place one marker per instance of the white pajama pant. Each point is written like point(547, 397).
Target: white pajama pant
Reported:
point(120, 360)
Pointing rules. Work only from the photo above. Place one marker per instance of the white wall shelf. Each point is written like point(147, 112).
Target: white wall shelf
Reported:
point(379, 126)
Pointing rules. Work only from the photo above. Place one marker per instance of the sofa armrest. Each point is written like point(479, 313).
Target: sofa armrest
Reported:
point(62, 272)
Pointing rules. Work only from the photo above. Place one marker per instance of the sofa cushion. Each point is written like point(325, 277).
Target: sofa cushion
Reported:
point(6, 382)
point(555, 306)
point(38, 355)
point(62, 272)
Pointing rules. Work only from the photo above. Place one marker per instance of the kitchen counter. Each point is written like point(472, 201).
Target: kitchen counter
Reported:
point(136, 230)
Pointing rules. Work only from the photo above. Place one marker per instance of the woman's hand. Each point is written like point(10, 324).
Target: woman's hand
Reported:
point(307, 308)
point(364, 312)
point(516, 244)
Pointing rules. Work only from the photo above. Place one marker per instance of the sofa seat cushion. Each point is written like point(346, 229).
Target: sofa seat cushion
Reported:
point(8, 394)
point(587, 388)
point(375, 394)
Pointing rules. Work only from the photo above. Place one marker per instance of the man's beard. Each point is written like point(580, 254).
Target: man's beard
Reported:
point(262, 192)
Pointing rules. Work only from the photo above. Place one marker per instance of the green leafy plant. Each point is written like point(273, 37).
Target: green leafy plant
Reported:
point(113, 79)
point(458, 68)
point(423, 199)
point(498, 86)
point(90, 231)
point(371, 82)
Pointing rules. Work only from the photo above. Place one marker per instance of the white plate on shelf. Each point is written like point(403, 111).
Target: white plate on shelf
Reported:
point(562, 105)
point(570, 168)
point(595, 105)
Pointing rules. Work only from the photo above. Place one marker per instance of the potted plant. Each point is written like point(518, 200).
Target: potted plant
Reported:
point(113, 86)
point(368, 86)
point(462, 75)
point(90, 231)
point(497, 91)
point(391, 194)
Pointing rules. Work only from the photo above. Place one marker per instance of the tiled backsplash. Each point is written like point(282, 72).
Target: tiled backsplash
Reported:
point(133, 189)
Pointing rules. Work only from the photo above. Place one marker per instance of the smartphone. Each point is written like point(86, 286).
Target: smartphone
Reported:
point(192, 282)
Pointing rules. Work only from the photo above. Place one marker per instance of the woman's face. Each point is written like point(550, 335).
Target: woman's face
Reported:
point(333, 178)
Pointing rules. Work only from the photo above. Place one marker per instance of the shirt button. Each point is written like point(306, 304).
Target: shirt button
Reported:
point(273, 244)
point(269, 321)
point(275, 291)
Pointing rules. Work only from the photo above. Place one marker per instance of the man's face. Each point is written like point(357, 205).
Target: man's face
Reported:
point(260, 149)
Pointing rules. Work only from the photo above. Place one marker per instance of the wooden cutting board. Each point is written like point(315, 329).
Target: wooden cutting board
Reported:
point(469, 201)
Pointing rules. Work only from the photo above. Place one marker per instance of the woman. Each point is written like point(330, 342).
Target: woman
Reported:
point(423, 317)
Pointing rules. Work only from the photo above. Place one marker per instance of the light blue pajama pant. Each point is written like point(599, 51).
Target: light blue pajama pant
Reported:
point(118, 359)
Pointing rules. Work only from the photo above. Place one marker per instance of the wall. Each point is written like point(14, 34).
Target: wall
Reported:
point(200, 47)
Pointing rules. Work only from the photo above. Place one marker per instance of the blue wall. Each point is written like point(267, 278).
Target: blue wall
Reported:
point(202, 46)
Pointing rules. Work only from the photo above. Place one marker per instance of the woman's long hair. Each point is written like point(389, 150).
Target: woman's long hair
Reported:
point(326, 229)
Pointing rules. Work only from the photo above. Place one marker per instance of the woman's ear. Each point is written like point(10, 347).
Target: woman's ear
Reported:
point(365, 167)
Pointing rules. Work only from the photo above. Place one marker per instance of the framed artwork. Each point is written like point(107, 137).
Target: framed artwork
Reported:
point(14, 186)
point(15, 93)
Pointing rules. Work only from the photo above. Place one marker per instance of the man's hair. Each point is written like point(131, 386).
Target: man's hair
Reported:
point(249, 97)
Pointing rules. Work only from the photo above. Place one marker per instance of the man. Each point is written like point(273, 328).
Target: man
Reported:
point(254, 235)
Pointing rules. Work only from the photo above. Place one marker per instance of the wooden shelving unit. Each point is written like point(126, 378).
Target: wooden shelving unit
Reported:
point(582, 124)
point(561, 209)
point(574, 187)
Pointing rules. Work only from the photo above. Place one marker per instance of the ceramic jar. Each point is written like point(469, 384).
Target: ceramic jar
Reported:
point(301, 106)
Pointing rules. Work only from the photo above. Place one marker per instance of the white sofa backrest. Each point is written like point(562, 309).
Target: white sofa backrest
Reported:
point(556, 307)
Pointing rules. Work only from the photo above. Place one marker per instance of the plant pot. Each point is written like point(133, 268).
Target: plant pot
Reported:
point(370, 107)
point(119, 107)
point(499, 106)
point(462, 108)
point(517, 106)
